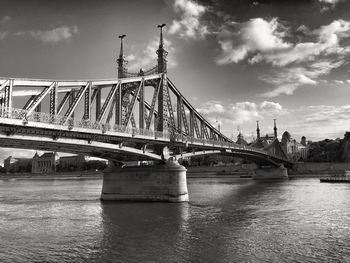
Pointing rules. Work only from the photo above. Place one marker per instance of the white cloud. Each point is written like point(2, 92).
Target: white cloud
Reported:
point(287, 80)
point(332, 2)
point(321, 121)
point(240, 112)
point(54, 36)
point(339, 81)
point(147, 58)
point(260, 40)
point(211, 107)
point(3, 35)
point(244, 111)
point(329, 4)
point(270, 107)
point(189, 25)
point(5, 19)
point(237, 41)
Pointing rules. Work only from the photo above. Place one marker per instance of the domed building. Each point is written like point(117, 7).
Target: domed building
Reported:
point(294, 150)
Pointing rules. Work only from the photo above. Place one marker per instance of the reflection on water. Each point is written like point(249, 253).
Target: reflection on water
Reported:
point(227, 220)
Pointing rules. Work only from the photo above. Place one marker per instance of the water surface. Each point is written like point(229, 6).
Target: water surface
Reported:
point(227, 220)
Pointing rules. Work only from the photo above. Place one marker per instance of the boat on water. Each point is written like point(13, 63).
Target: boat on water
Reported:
point(344, 178)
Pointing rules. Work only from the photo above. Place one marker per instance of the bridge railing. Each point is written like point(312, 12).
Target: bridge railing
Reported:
point(41, 117)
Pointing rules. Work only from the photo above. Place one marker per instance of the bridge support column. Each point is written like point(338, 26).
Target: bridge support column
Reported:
point(163, 182)
point(270, 173)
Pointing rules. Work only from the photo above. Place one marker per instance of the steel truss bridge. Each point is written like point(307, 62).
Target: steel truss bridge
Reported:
point(137, 116)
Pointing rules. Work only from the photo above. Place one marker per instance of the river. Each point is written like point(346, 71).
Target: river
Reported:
point(227, 220)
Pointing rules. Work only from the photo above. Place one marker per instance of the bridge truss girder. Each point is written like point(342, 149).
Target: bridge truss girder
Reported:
point(149, 98)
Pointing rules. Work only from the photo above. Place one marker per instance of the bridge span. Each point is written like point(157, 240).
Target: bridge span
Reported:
point(132, 117)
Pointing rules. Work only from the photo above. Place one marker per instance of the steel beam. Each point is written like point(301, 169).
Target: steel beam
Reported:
point(191, 123)
point(54, 100)
point(110, 112)
point(98, 103)
point(184, 119)
point(87, 103)
point(118, 106)
point(154, 99)
point(64, 102)
point(162, 105)
point(142, 107)
point(6, 83)
point(195, 124)
point(108, 101)
point(75, 102)
point(190, 107)
point(29, 102)
point(8, 95)
point(132, 104)
point(39, 98)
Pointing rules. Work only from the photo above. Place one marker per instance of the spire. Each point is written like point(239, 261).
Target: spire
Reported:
point(121, 60)
point(161, 52)
point(274, 128)
point(257, 130)
point(161, 42)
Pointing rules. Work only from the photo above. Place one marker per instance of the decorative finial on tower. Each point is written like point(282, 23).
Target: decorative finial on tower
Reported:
point(121, 44)
point(161, 52)
point(121, 60)
point(257, 130)
point(275, 128)
point(161, 43)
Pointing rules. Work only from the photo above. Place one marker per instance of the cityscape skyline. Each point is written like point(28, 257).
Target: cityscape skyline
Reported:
point(237, 61)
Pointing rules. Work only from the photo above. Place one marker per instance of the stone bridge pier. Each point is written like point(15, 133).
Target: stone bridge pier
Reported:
point(164, 182)
point(270, 173)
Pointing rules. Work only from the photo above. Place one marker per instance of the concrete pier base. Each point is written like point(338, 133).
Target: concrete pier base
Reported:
point(163, 182)
point(270, 173)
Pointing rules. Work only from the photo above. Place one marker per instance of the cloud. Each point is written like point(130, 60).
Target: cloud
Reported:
point(240, 112)
point(238, 40)
point(331, 2)
point(147, 58)
point(5, 19)
point(270, 107)
point(321, 121)
point(211, 107)
point(260, 40)
point(53, 36)
point(189, 25)
point(287, 80)
point(3, 35)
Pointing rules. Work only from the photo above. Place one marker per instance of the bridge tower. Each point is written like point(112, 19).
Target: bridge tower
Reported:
point(165, 181)
point(257, 130)
point(274, 128)
point(121, 61)
point(163, 95)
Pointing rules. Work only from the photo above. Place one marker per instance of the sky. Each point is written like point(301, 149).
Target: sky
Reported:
point(236, 61)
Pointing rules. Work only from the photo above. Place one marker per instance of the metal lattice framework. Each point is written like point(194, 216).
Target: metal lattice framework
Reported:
point(134, 116)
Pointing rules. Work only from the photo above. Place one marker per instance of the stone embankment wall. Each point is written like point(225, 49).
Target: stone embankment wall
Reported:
point(77, 174)
point(232, 170)
point(319, 168)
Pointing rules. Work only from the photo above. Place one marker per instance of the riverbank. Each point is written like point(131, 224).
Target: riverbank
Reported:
point(81, 175)
point(299, 170)
point(318, 169)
